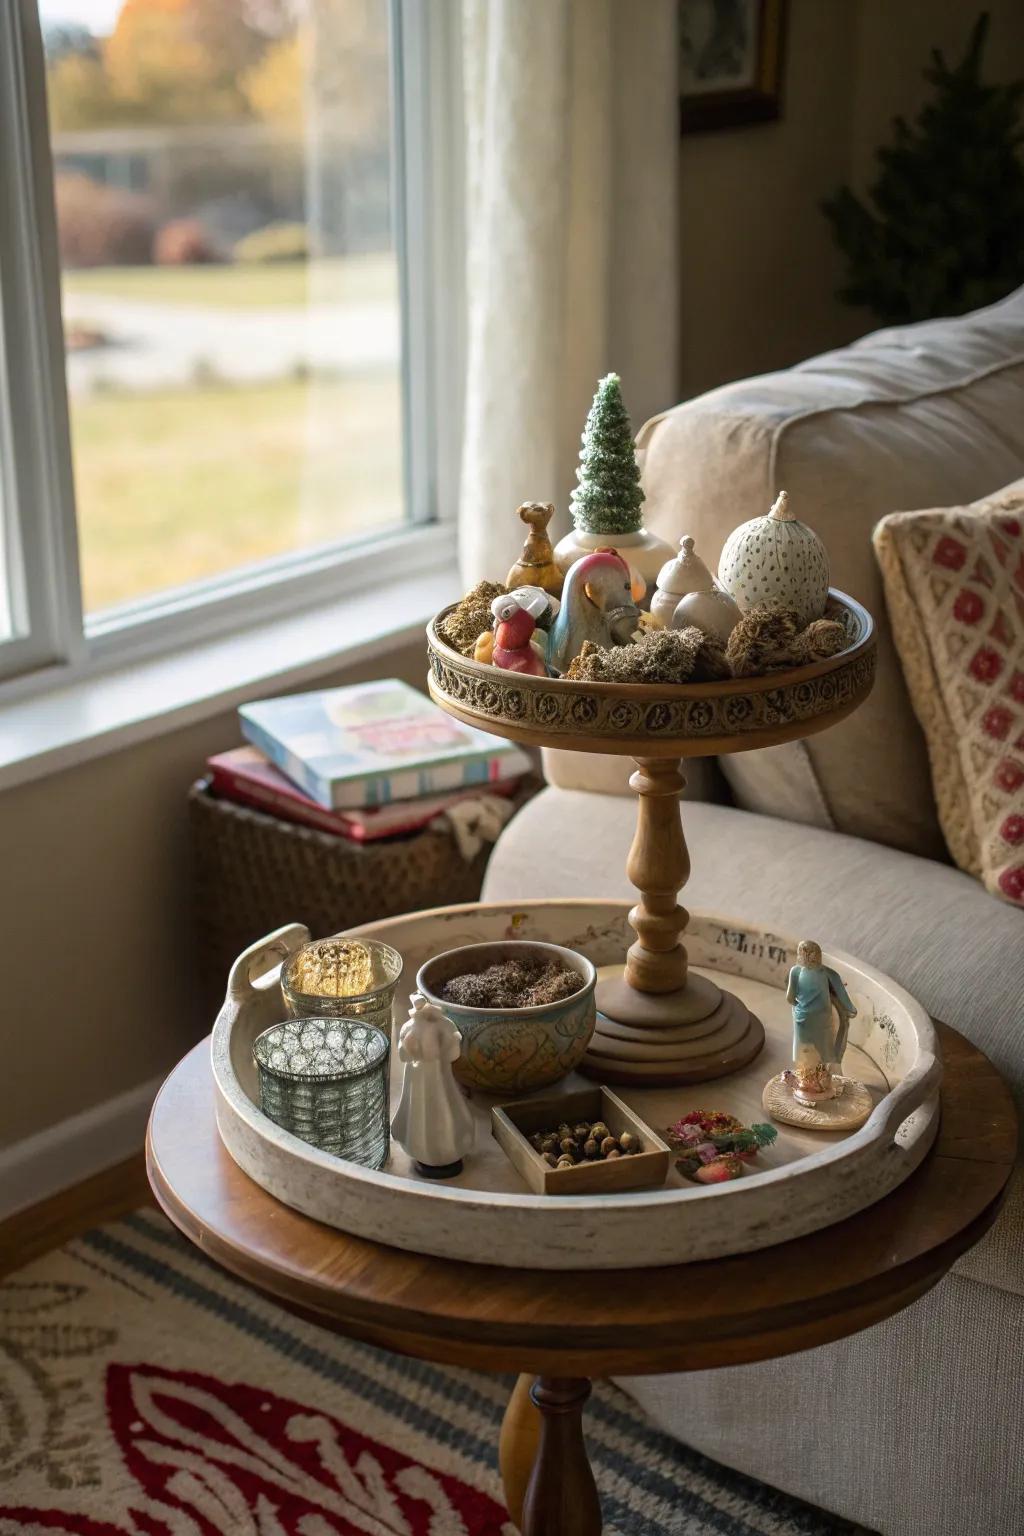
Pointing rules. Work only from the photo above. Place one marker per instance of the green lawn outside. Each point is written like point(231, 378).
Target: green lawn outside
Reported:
point(244, 285)
point(176, 485)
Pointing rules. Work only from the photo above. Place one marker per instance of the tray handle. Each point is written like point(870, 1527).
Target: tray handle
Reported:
point(926, 1075)
point(256, 967)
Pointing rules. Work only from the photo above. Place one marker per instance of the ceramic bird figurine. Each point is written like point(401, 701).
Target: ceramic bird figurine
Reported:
point(433, 1121)
point(597, 605)
point(517, 615)
point(536, 565)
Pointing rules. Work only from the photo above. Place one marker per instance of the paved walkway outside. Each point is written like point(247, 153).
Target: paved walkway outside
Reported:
point(152, 346)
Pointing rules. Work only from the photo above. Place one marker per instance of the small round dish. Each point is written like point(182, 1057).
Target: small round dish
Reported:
point(514, 1050)
point(660, 719)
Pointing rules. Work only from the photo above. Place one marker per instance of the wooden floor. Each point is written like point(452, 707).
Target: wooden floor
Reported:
point(39, 1228)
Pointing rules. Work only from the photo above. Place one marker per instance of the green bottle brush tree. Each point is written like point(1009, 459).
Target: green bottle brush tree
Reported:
point(608, 497)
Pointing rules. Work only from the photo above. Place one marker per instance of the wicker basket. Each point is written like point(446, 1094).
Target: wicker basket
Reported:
point(254, 873)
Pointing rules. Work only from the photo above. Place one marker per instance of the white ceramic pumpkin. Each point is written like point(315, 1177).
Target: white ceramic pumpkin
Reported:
point(776, 559)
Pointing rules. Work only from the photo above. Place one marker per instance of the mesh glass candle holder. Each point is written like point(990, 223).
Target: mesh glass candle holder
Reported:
point(342, 979)
point(327, 1081)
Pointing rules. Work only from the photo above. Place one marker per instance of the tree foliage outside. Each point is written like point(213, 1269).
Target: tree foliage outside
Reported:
point(608, 495)
point(226, 61)
point(943, 232)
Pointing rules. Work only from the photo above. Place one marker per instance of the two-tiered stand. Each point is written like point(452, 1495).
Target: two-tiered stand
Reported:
point(657, 1022)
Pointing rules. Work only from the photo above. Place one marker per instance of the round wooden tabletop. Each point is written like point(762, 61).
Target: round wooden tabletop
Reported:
point(603, 1322)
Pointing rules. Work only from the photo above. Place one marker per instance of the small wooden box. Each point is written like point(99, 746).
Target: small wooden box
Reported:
point(513, 1124)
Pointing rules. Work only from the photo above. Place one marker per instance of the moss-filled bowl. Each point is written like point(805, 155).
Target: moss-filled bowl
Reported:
point(514, 1050)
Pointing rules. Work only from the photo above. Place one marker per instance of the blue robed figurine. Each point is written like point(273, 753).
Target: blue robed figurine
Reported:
point(819, 1041)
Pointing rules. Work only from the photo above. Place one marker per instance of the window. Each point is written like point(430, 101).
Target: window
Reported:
point(226, 210)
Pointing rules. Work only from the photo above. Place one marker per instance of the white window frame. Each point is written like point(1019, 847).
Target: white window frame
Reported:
point(58, 647)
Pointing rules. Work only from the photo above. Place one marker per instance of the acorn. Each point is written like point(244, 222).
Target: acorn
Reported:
point(549, 1144)
point(628, 1142)
point(613, 1153)
point(581, 1131)
point(599, 1130)
point(568, 1144)
point(609, 1144)
point(565, 1161)
point(591, 1148)
point(550, 1159)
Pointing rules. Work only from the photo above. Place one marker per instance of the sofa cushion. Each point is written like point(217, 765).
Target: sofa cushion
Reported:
point(954, 586)
point(931, 927)
point(920, 416)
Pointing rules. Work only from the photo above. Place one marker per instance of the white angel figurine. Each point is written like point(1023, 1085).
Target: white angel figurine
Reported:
point(433, 1122)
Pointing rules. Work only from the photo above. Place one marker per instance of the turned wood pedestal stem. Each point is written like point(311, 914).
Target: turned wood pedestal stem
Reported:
point(549, 1487)
point(657, 1023)
point(659, 867)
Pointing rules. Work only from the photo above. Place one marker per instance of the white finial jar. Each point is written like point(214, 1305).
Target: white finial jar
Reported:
point(688, 594)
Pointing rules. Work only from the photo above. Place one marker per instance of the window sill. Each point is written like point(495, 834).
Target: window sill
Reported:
point(69, 723)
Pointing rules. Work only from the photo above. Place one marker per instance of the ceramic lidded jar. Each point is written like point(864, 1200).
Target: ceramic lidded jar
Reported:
point(688, 594)
point(777, 559)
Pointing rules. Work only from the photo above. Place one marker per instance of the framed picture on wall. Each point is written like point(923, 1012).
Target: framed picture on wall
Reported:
point(730, 62)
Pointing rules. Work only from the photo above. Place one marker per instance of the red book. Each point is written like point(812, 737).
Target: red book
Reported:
point(246, 776)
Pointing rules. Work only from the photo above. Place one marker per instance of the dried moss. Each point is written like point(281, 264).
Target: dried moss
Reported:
point(762, 640)
point(470, 617)
point(711, 665)
point(821, 639)
point(513, 984)
point(659, 656)
point(767, 639)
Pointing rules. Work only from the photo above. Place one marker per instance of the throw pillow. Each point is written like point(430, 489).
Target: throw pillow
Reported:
point(954, 587)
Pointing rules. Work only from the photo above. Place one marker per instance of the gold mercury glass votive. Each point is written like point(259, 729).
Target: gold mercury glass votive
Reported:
point(342, 979)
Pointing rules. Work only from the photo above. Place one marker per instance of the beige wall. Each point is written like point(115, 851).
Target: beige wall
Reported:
point(100, 984)
point(759, 267)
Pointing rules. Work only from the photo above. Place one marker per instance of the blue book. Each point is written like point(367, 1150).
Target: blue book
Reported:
point(372, 743)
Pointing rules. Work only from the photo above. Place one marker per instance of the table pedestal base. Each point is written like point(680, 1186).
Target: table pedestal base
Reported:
point(549, 1486)
point(656, 1023)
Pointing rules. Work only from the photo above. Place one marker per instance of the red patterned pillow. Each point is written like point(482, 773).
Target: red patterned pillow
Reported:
point(954, 586)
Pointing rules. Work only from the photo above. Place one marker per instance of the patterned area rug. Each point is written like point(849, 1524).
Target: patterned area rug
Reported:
point(145, 1393)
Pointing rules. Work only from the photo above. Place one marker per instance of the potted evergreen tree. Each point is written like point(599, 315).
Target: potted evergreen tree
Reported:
point(942, 232)
point(607, 500)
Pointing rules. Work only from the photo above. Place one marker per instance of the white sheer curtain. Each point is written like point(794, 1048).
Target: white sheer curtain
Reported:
point(572, 127)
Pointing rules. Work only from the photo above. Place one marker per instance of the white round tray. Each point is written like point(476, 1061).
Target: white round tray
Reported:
point(806, 1180)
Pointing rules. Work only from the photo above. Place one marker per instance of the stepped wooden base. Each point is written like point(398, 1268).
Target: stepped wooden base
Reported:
point(691, 1035)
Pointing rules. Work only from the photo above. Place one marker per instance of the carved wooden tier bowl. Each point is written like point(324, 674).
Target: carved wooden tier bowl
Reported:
point(660, 720)
point(657, 1023)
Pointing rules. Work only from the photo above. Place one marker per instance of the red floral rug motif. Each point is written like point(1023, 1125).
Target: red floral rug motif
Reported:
point(212, 1458)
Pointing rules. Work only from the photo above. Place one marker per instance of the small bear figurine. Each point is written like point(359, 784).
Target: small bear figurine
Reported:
point(536, 565)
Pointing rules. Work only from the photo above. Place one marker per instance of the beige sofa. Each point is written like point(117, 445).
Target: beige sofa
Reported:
point(917, 1425)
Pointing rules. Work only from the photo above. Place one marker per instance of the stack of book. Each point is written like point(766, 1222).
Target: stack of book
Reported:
point(368, 761)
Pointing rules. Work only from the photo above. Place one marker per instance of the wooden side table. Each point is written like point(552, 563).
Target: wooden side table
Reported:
point(559, 1329)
